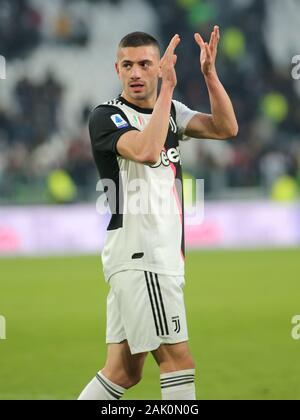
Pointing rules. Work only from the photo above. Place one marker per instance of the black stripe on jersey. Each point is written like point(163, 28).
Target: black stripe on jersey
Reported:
point(115, 197)
point(116, 394)
point(152, 304)
point(135, 107)
point(106, 157)
point(162, 304)
point(173, 110)
point(191, 381)
point(173, 125)
point(157, 304)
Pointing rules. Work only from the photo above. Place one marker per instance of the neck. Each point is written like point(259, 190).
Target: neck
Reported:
point(141, 103)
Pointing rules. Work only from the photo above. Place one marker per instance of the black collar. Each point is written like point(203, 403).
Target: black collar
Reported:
point(137, 108)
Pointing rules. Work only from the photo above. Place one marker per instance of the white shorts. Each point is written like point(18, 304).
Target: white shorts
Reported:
point(146, 309)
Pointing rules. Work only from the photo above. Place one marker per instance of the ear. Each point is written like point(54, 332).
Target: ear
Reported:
point(117, 69)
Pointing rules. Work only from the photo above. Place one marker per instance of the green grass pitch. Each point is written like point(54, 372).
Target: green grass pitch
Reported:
point(239, 306)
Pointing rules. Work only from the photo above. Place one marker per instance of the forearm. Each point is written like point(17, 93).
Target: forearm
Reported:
point(153, 137)
point(223, 115)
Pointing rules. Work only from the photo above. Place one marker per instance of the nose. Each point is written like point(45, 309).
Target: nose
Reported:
point(135, 73)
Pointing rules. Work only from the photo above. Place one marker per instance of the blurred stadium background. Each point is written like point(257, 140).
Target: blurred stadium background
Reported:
point(243, 263)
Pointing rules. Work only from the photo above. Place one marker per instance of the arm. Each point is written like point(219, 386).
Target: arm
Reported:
point(221, 123)
point(146, 146)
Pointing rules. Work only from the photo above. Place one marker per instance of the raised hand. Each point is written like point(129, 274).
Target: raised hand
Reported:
point(168, 61)
point(209, 51)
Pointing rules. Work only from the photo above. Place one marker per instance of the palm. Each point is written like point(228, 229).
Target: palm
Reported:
point(208, 51)
point(168, 61)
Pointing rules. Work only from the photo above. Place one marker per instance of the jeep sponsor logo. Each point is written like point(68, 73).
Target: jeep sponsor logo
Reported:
point(167, 157)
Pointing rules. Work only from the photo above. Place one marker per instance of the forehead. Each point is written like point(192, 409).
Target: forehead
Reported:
point(136, 54)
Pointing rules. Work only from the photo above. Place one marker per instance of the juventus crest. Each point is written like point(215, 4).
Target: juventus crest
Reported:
point(176, 321)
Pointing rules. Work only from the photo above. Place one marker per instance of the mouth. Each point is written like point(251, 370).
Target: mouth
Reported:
point(137, 86)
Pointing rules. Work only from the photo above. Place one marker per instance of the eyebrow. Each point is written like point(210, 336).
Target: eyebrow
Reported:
point(139, 62)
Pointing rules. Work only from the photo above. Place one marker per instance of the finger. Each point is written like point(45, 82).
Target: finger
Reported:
point(208, 52)
point(212, 39)
point(199, 40)
point(212, 42)
point(173, 44)
point(217, 32)
point(175, 41)
point(168, 55)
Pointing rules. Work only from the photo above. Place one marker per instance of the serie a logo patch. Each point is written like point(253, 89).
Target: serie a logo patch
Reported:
point(119, 121)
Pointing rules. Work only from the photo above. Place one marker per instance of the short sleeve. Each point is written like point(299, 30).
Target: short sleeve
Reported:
point(106, 125)
point(183, 117)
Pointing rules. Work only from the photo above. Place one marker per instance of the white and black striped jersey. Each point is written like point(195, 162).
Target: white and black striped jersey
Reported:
point(146, 230)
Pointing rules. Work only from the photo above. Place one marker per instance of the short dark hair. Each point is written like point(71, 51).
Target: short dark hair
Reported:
point(138, 39)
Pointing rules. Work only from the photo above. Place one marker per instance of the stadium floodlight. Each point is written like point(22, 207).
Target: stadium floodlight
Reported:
point(2, 68)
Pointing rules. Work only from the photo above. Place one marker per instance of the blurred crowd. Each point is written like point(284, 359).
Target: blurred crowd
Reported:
point(19, 27)
point(265, 96)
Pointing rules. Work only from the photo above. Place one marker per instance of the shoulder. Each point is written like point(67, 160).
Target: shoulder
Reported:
point(107, 123)
point(183, 112)
point(183, 116)
point(179, 106)
point(104, 110)
point(107, 114)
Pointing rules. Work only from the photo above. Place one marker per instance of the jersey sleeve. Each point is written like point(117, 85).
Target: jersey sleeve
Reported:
point(183, 117)
point(106, 125)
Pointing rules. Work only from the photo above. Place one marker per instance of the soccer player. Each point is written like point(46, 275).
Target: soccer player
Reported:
point(136, 137)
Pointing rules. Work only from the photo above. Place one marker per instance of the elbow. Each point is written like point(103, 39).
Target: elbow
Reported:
point(235, 131)
point(149, 158)
point(231, 133)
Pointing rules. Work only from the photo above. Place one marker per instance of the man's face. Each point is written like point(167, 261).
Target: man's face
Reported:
point(138, 69)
